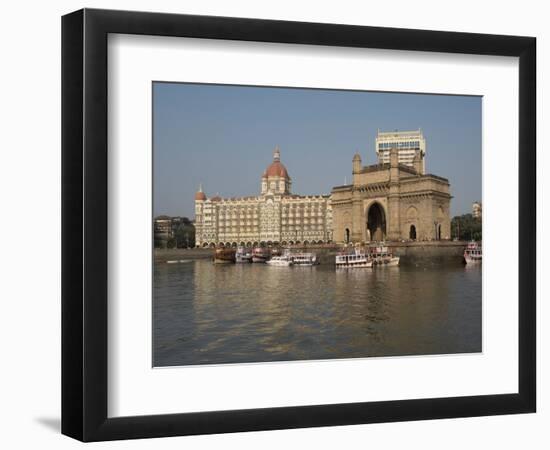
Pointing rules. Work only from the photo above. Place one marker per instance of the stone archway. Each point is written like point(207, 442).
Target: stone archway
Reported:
point(376, 222)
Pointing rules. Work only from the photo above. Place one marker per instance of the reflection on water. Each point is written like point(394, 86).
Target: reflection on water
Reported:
point(207, 314)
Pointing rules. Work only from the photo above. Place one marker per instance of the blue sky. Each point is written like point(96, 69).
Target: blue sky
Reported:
point(224, 136)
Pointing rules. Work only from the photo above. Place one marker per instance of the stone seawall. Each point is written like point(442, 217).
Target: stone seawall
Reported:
point(430, 253)
point(164, 255)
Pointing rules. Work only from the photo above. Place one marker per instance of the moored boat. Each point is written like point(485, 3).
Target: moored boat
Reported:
point(473, 253)
point(224, 256)
point(382, 256)
point(283, 260)
point(260, 254)
point(304, 259)
point(243, 255)
point(353, 259)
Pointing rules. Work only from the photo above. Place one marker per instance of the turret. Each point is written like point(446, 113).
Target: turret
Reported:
point(357, 165)
point(394, 157)
point(394, 165)
point(418, 164)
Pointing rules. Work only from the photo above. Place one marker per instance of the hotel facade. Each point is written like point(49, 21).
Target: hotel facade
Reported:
point(276, 216)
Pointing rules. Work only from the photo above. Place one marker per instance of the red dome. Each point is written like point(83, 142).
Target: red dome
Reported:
point(200, 196)
point(276, 169)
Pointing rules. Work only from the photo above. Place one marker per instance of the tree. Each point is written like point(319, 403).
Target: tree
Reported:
point(185, 234)
point(466, 227)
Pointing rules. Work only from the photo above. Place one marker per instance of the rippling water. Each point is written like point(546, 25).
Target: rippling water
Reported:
point(212, 314)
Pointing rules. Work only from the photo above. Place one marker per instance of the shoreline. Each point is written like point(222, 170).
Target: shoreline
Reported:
point(432, 252)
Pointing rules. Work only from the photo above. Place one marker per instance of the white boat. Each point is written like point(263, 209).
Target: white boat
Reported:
point(382, 256)
point(243, 255)
point(473, 253)
point(354, 259)
point(304, 259)
point(283, 260)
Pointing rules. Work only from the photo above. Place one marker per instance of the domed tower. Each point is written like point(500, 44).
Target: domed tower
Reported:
point(200, 196)
point(275, 178)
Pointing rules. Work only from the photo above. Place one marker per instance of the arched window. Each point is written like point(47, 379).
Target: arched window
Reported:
point(412, 233)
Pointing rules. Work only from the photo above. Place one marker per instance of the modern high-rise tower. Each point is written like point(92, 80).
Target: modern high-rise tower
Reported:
point(410, 145)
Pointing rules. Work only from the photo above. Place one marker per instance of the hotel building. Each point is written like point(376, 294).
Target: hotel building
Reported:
point(276, 216)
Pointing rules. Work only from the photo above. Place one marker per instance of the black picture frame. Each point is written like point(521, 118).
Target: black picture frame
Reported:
point(84, 224)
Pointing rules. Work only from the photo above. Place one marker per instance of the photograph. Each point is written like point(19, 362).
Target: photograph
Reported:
point(306, 224)
point(275, 225)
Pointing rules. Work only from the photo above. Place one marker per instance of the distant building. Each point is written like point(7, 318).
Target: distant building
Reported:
point(180, 228)
point(476, 210)
point(410, 145)
point(276, 216)
point(163, 227)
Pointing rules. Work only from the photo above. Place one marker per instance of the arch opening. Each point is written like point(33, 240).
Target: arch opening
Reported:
point(376, 223)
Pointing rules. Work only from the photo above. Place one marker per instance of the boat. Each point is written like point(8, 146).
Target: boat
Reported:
point(243, 255)
point(382, 256)
point(224, 256)
point(260, 254)
point(473, 253)
point(304, 259)
point(283, 260)
point(353, 259)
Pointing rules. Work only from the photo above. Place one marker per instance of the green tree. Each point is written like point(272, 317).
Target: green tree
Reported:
point(466, 227)
point(185, 234)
